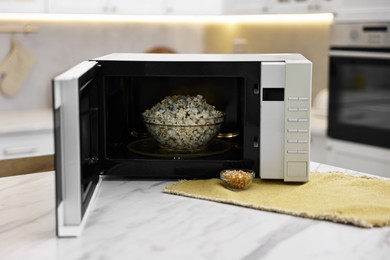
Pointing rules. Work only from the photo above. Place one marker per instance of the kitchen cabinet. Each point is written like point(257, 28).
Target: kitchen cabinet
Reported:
point(26, 133)
point(25, 6)
point(300, 6)
point(344, 9)
point(190, 7)
point(28, 144)
point(76, 6)
point(134, 7)
point(174, 7)
point(106, 6)
point(204, 7)
point(358, 157)
point(245, 7)
point(361, 10)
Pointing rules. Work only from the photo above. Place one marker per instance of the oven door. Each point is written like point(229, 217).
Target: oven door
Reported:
point(359, 97)
point(75, 105)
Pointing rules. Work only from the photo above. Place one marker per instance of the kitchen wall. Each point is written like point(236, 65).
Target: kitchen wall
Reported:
point(308, 38)
point(57, 46)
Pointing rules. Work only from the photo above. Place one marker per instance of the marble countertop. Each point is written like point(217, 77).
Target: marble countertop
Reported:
point(133, 219)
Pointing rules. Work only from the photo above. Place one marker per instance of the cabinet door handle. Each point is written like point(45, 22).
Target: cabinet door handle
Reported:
point(19, 150)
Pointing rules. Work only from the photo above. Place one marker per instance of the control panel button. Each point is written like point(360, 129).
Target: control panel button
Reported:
point(297, 169)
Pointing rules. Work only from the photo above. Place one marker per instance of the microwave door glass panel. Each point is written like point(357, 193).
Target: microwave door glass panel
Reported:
point(89, 130)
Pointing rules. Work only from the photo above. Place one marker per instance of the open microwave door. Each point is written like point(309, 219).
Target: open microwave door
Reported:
point(76, 117)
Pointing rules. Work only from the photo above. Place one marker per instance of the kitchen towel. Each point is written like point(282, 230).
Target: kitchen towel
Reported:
point(15, 68)
point(357, 200)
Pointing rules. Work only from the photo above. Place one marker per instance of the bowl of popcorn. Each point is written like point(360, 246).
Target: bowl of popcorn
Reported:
point(237, 179)
point(183, 124)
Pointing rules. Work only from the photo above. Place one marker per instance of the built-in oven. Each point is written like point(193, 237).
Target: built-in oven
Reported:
point(263, 122)
point(359, 86)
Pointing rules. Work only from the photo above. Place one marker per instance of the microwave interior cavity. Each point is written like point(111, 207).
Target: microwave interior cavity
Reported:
point(124, 90)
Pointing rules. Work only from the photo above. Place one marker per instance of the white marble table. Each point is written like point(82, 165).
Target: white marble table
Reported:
point(135, 220)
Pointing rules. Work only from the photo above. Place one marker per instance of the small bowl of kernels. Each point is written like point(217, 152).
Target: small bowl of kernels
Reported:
point(237, 179)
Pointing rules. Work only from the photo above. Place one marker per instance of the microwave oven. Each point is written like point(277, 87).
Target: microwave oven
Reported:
point(99, 131)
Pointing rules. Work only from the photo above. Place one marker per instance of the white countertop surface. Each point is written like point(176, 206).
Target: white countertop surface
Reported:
point(133, 219)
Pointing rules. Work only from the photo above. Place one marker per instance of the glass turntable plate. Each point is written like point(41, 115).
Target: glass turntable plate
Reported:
point(149, 147)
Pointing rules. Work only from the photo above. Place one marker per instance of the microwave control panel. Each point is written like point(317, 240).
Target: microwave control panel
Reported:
point(285, 120)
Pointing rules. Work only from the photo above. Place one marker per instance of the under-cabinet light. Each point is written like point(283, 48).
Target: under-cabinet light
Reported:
point(266, 18)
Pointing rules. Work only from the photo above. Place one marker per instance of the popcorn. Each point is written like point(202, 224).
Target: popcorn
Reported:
point(183, 123)
point(237, 179)
point(183, 110)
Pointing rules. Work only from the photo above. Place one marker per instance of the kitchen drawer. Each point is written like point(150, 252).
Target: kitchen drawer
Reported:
point(17, 145)
point(359, 157)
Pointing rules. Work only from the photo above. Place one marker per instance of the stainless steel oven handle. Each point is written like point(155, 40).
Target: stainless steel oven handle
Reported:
point(359, 54)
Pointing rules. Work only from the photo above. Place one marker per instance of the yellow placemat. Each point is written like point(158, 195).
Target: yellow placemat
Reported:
point(357, 200)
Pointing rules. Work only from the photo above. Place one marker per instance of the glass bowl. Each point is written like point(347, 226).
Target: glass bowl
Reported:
point(237, 179)
point(183, 138)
